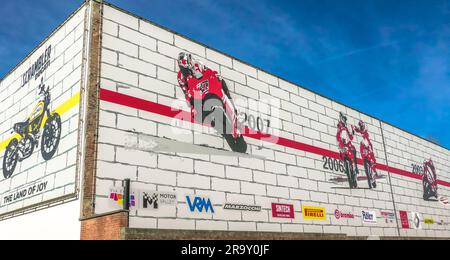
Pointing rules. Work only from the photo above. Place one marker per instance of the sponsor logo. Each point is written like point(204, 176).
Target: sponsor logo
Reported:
point(388, 216)
point(338, 214)
point(154, 199)
point(404, 219)
point(282, 210)
point(369, 217)
point(314, 213)
point(428, 221)
point(416, 220)
point(241, 207)
point(200, 204)
point(116, 196)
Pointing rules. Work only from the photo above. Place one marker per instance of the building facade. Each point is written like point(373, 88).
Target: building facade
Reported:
point(212, 147)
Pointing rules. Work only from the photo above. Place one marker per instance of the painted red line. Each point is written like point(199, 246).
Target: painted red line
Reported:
point(144, 105)
point(149, 106)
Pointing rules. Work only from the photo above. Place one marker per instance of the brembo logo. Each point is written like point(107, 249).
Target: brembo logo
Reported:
point(338, 214)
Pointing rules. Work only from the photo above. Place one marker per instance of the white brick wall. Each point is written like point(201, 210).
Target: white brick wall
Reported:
point(63, 77)
point(140, 60)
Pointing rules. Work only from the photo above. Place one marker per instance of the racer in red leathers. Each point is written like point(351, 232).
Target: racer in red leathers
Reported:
point(210, 100)
point(188, 68)
point(347, 150)
point(429, 180)
point(366, 149)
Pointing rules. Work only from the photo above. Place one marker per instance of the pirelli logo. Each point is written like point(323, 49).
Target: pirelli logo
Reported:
point(314, 213)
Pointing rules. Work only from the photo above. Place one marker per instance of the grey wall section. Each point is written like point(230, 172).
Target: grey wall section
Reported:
point(63, 77)
point(139, 61)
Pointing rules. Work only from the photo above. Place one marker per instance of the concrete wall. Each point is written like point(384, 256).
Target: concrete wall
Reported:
point(56, 223)
point(141, 106)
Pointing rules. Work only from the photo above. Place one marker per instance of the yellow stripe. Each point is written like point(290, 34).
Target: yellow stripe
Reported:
point(62, 109)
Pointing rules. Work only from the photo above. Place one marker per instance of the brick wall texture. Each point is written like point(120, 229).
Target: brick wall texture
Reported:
point(107, 227)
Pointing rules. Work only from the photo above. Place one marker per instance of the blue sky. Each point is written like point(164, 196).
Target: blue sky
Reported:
point(389, 59)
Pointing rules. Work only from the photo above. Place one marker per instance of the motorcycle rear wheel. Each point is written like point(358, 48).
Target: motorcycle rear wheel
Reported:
point(349, 173)
point(10, 159)
point(368, 169)
point(215, 115)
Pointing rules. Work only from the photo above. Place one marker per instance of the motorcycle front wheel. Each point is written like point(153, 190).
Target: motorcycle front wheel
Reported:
point(215, 115)
point(51, 136)
point(426, 190)
point(368, 168)
point(10, 159)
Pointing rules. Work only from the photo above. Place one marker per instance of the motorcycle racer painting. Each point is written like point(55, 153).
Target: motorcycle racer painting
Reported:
point(367, 154)
point(210, 100)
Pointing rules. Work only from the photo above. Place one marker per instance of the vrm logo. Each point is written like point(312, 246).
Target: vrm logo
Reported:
point(200, 204)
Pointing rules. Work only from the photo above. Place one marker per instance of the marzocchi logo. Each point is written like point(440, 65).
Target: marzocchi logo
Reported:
point(200, 204)
point(210, 100)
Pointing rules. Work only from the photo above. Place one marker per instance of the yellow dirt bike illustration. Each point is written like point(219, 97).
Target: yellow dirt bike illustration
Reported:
point(29, 133)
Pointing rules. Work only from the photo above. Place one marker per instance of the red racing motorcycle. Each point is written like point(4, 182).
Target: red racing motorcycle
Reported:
point(347, 151)
point(429, 180)
point(367, 154)
point(210, 101)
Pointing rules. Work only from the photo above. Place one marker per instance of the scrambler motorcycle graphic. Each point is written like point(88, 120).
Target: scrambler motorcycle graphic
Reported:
point(30, 133)
point(210, 101)
point(348, 154)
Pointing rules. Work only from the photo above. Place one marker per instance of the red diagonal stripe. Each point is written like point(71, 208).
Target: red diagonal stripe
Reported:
point(149, 106)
